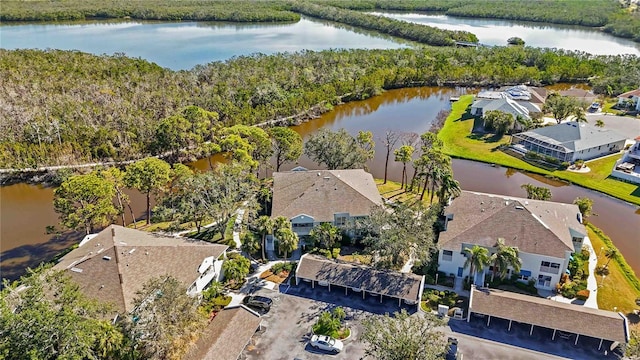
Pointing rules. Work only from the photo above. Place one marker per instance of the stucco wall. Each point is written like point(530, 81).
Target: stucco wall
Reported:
point(594, 152)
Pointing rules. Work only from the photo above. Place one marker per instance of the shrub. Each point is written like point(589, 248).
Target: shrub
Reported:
point(330, 322)
point(582, 294)
point(335, 253)
point(565, 164)
point(324, 252)
point(579, 163)
point(280, 267)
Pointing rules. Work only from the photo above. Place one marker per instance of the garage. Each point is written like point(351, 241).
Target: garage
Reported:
point(360, 280)
point(562, 318)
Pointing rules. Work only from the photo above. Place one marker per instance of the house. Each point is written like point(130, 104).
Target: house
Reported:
point(227, 335)
point(312, 197)
point(546, 234)
point(564, 319)
point(111, 266)
point(628, 166)
point(361, 279)
point(519, 101)
point(569, 141)
point(586, 97)
point(630, 98)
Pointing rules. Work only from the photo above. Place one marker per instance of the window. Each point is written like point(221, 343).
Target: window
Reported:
point(523, 277)
point(447, 255)
point(577, 240)
point(549, 267)
point(544, 280)
point(341, 220)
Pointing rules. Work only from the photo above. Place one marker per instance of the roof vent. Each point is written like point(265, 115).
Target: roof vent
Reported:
point(318, 174)
point(75, 269)
point(506, 202)
point(526, 202)
point(519, 208)
point(106, 258)
point(113, 231)
point(481, 210)
point(327, 178)
point(132, 250)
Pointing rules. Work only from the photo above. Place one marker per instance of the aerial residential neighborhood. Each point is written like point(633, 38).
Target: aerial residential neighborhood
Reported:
point(318, 180)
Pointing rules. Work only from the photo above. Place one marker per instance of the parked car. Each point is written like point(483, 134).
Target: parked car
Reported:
point(261, 302)
point(326, 343)
point(595, 107)
point(452, 349)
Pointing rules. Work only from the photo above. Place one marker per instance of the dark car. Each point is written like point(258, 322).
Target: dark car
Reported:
point(261, 302)
point(452, 349)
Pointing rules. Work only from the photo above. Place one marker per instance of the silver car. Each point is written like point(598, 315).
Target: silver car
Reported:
point(326, 343)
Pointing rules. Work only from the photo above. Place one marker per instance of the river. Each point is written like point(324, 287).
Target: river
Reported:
point(26, 210)
point(496, 32)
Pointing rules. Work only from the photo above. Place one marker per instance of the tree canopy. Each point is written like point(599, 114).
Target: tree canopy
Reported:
point(402, 337)
point(537, 192)
point(339, 150)
point(287, 145)
point(85, 202)
point(148, 176)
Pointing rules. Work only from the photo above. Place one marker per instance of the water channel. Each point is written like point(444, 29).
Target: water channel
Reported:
point(26, 210)
point(496, 32)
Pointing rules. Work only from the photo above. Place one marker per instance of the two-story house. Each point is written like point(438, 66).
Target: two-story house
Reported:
point(309, 198)
point(115, 263)
point(546, 234)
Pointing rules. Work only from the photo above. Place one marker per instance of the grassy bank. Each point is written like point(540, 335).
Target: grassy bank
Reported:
point(460, 142)
point(621, 287)
point(391, 191)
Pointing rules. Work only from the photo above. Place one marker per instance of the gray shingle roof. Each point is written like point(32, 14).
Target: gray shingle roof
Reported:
point(533, 226)
point(575, 136)
point(115, 264)
point(551, 314)
point(386, 282)
point(322, 193)
point(226, 335)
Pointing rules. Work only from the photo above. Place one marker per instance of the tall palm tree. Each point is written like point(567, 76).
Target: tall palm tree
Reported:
point(610, 253)
point(504, 257)
point(264, 225)
point(449, 187)
point(325, 235)
point(437, 172)
point(477, 259)
point(288, 240)
point(403, 155)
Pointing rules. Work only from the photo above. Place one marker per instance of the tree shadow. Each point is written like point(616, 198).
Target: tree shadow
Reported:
point(466, 116)
point(16, 261)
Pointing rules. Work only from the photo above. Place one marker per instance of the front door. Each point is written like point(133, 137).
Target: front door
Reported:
point(460, 270)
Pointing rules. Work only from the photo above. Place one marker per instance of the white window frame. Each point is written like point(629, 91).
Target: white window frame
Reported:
point(447, 255)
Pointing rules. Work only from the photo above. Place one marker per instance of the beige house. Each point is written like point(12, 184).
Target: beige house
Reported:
point(113, 265)
point(312, 197)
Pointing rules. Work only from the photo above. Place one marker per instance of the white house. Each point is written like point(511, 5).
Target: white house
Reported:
point(312, 197)
point(114, 264)
point(628, 166)
point(569, 141)
point(630, 98)
point(545, 233)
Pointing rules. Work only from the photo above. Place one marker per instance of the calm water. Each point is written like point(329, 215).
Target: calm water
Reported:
point(182, 45)
point(496, 32)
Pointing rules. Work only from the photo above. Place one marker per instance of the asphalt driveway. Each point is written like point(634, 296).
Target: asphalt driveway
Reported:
point(625, 125)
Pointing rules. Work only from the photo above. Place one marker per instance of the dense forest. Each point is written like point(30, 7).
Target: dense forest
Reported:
point(203, 10)
point(619, 20)
point(416, 32)
point(66, 107)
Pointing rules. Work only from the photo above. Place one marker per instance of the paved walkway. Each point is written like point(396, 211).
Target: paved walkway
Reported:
point(592, 284)
point(236, 228)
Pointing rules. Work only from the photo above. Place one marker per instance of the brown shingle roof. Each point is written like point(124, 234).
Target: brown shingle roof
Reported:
point(385, 282)
point(322, 193)
point(551, 314)
point(226, 335)
point(630, 94)
point(115, 264)
point(533, 226)
point(580, 94)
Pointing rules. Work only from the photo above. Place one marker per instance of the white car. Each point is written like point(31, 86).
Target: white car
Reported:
point(326, 343)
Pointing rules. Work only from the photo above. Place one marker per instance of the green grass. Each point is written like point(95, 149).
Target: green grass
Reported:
point(459, 142)
point(392, 192)
point(621, 287)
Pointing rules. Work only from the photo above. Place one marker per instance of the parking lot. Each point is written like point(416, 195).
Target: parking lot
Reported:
point(287, 327)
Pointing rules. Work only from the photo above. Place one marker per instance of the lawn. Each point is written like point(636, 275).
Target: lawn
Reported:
point(461, 143)
point(620, 288)
point(391, 191)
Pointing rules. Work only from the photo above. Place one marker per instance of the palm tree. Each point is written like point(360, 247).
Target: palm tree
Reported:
point(264, 225)
point(610, 253)
point(288, 240)
point(403, 155)
point(449, 187)
point(599, 123)
point(325, 234)
point(436, 174)
point(504, 257)
point(477, 259)
point(281, 222)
